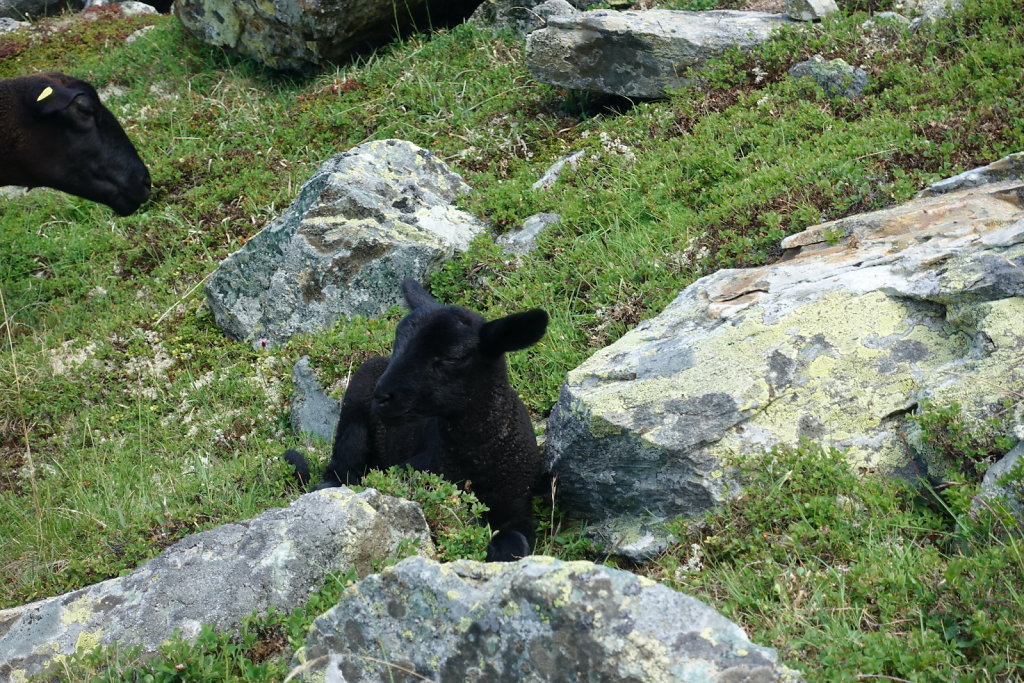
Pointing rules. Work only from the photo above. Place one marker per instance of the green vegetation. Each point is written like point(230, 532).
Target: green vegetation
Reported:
point(128, 420)
point(848, 575)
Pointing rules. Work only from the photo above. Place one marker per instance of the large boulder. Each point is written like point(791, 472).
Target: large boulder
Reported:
point(368, 218)
point(638, 53)
point(538, 619)
point(862, 319)
point(298, 35)
point(216, 578)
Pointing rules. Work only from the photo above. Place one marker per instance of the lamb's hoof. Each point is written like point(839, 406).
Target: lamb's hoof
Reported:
point(508, 546)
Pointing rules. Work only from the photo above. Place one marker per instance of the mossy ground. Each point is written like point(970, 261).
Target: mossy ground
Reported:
point(127, 420)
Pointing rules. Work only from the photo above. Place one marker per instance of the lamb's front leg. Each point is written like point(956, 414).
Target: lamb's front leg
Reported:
point(359, 433)
point(514, 531)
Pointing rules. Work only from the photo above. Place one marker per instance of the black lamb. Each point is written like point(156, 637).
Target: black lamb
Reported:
point(55, 132)
point(442, 402)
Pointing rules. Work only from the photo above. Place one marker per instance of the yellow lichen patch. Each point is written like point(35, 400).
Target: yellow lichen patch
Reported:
point(88, 640)
point(1004, 323)
point(78, 612)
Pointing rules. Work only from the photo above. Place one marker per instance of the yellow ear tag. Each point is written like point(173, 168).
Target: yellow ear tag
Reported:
point(47, 91)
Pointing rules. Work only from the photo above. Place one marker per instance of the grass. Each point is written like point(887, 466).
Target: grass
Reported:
point(129, 420)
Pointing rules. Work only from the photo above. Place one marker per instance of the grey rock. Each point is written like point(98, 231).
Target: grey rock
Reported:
point(216, 578)
point(1003, 485)
point(1010, 167)
point(7, 24)
point(931, 10)
point(638, 53)
point(131, 8)
point(555, 170)
point(862, 319)
point(313, 411)
point(368, 218)
point(835, 77)
point(294, 35)
point(538, 619)
point(523, 241)
point(810, 10)
point(520, 16)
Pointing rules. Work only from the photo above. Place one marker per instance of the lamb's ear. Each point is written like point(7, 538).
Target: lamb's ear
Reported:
point(415, 295)
point(513, 332)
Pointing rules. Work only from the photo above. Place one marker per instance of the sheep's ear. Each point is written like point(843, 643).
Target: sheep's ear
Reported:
point(48, 98)
point(513, 332)
point(415, 295)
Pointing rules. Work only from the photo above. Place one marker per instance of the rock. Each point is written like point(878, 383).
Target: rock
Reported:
point(810, 10)
point(1004, 485)
point(836, 77)
point(313, 411)
point(131, 8)
point(538, 619)
point(368, 218)
point(216, 578)
point(931, 10)
point(296, 35)
point(555, 170)
point(865, 317)
point(7, 24)
point(523, 241)
point(638, 53)
point(519, 16)
point(1008, 168)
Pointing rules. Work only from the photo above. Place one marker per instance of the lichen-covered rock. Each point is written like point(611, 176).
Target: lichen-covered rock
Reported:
point(520, 16)
point(638, 53)
point(368, 218)
point(810, 10)
point(835, 76)
point(293, 35)
point(216, 578)
point(312, 410)
point(538, 619)
point(863, 318)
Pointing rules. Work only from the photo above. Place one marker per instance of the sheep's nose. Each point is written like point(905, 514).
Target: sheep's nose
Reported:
point(383, 397)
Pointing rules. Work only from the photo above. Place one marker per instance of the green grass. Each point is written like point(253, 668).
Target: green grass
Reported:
point(128, 420)
point(850, 576)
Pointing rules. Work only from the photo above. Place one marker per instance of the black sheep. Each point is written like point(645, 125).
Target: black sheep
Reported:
point(54, 132)
point(442, 402)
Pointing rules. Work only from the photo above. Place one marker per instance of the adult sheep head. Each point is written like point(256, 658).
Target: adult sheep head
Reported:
point(56, 133)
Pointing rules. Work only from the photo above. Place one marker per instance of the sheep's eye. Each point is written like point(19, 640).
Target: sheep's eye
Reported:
point(449, 361)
